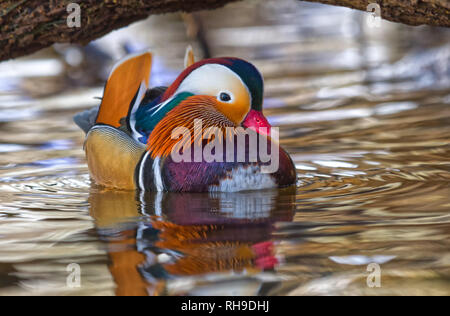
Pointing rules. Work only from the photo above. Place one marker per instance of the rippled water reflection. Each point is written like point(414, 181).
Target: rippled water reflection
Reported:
point(364, 113)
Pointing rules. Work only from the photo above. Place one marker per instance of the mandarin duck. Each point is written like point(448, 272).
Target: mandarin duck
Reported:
point(130, 141)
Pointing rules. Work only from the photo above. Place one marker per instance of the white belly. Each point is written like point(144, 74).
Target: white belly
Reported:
point(245, 179)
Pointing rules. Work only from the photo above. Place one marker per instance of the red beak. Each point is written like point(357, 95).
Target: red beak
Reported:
point(256, 121)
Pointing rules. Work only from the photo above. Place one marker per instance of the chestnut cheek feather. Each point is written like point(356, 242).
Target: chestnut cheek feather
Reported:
point(234, 112)
point(160, 143)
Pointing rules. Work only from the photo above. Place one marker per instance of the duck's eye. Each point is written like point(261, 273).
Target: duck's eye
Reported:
point(225, 97)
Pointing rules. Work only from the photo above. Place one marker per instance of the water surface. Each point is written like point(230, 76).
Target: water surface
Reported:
point(363, 111)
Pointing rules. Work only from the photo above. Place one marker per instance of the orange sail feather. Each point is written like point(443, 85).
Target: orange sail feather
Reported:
point(121, 87)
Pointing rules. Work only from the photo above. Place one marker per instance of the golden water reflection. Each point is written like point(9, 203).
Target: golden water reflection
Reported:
point(363, 112)
point(160, 237)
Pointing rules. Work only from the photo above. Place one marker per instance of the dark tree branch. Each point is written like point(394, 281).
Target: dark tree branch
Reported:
point(29, 25)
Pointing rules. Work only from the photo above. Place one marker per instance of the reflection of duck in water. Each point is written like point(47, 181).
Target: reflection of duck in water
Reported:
point(130, 142)
point(220, 232)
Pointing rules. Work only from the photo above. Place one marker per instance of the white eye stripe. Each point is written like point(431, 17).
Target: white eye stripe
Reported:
point(211, 79)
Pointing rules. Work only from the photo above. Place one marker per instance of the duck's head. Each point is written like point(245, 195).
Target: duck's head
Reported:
point(218, 92)
point(232, 85)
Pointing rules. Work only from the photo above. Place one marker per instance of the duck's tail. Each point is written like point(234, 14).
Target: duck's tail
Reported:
point(124, 91)
point(86, 119)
